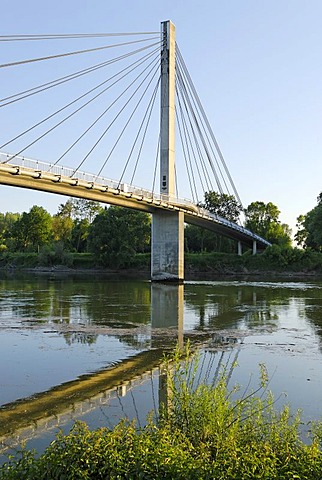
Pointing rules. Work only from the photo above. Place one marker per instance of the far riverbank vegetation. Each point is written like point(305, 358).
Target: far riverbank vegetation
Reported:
point(85, 235)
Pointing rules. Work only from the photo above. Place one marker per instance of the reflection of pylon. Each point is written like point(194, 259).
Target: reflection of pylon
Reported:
point(167, 304)
point(165, 390)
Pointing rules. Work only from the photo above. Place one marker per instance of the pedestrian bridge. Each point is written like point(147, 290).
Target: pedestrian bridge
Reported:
point(93, 122)
point(27, 173)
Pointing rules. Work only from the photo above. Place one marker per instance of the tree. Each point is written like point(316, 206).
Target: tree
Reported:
point(222, 204)
point(79, 235)
point(7, 221)
point(309, 232)
point(79, 209)
point(262, 218)
point(82, 209)
point(71, 223)
point(117, 233)
point(199, 239)
point(62, 229)
point(301, 234)
point(33, 229)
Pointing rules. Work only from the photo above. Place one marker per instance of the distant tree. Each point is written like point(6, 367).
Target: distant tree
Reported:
point(84, 209)
point(62, 229)
point(72, 221)
point(63, 223)
point(222, 204)
point(301, 234)
point(33, 229)
point(66, 209)
point(79, 235)
point(263, 219)
point(117, 233)
point(199, 239)
point(309, 232)
point(7, 221)
point(79, 209)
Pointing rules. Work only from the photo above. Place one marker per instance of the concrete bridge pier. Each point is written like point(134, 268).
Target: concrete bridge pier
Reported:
point(239, 248)
point(167, 255)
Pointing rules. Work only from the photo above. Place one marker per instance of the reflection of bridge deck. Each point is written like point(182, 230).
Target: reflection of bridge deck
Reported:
point(31, 174)
point(39, 408)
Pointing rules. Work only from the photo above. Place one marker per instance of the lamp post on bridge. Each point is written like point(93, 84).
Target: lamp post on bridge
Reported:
point(167, 246)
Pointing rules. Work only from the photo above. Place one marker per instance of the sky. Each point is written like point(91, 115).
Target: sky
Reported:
point(257, 67)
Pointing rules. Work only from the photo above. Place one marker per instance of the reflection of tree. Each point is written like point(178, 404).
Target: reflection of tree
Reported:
point(313, 312)
point(29, 299)
point(228, 305)
point(120, 304)
point(96, 301)
point(79, 337)
point(137, 341)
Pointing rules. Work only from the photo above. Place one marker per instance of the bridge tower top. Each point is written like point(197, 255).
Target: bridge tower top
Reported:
point(167, 120)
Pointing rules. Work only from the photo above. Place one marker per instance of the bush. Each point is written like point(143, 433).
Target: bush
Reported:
point(55, 255)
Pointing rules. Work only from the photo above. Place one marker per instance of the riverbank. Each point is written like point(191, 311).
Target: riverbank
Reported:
point(274, 262)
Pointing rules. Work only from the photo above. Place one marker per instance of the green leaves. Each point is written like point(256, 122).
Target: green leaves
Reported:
point(32, 229)
point(117, 234)
point(263, 219)
point(222, 204)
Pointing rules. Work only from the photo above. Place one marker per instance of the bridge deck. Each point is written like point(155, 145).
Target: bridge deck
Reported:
point(26, 173)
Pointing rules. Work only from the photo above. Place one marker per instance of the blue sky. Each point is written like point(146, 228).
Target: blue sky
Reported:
point(257, 66)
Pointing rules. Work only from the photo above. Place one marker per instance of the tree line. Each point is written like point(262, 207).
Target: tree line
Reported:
point(114, 234)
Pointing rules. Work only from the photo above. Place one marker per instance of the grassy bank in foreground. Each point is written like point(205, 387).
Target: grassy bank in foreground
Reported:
point(202, 434)
point(274, 259)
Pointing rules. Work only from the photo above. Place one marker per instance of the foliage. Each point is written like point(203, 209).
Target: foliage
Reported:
point(117, 234)
point(55, 255)
point(309, 232)
point(222, 204)
point(62, 229)
point(205, 431)
point(262, 218)
point(201, 240)
point(273, 259)
point(32, 229)
point(7, 221)
point(79, 209)
point(79, 235)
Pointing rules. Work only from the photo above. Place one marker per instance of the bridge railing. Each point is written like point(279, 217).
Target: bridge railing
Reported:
point(36, 165)
point(147, 195)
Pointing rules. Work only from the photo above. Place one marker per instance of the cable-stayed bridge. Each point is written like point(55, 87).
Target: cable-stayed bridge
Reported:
point(109, 127)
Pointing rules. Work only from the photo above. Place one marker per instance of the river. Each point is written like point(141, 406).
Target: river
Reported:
point(91, 347)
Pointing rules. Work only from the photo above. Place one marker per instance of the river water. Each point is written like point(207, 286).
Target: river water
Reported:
point(91, 347)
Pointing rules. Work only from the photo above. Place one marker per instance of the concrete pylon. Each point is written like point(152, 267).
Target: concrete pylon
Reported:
point(167, 262)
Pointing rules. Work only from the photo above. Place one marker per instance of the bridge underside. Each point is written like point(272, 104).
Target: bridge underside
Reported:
point(75, 188)
point(224, 230)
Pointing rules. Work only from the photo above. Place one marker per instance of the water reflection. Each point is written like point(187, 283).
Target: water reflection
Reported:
point(241, 304)
point(167, 307)
point(55, 330)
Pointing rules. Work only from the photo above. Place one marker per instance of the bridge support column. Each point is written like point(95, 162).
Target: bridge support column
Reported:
point(239, 248)
point(254, 247)
point(167, 246)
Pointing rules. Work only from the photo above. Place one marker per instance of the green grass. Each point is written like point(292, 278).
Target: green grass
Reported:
point(202, 433)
